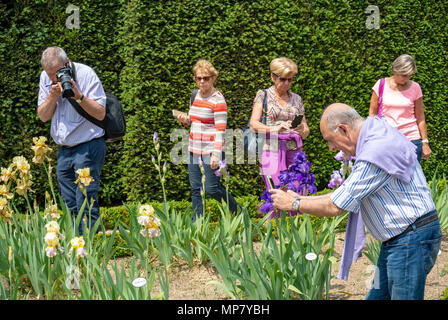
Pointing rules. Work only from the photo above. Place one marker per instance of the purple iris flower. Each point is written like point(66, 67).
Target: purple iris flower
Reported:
point(297, 178)
point(266, 207)
point(339, 156)
point(336, 180)
point(221, 169)
point(266, 195)
point(300, 157)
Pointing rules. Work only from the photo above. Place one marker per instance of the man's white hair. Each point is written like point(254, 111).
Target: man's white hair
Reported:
point(52, 56)
point(335, 116)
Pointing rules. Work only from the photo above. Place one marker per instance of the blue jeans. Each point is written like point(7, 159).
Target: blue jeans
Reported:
point(418, 143)
point(404, 262)
point(88, 154)
point(213, 186)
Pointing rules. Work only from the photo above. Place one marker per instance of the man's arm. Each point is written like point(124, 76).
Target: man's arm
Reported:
point(321, 206)
point(46, 109)
point(92, 107)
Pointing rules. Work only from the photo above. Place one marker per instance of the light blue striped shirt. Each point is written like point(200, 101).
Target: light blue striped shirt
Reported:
point(388, 206)
point(68, 127)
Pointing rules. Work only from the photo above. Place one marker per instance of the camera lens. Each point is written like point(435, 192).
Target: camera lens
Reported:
point(64, 76)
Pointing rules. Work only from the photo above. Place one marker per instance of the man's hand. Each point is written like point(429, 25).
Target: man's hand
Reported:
point(78, 94)
point(283, 200)
point(55, 91)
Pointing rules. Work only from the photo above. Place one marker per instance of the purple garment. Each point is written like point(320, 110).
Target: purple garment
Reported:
point(283, 137)
point(355, 237)
point(387, 148)
point(273, 162)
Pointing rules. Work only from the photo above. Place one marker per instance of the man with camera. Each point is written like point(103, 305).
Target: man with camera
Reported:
point(388, 186)
point(81, 142)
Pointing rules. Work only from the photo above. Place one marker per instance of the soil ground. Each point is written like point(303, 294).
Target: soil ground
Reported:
point(193, 283)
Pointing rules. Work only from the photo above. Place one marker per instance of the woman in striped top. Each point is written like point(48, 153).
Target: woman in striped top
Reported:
point(207, 118)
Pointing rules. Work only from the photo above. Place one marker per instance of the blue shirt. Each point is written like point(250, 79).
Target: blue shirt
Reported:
point(68, 127)
point(387, 204)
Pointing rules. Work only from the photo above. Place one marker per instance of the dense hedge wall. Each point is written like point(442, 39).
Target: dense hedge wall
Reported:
point(144, 52)
point(26, 29)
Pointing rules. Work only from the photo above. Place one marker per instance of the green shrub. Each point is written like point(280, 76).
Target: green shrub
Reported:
point(144, 51)
point(444, 295)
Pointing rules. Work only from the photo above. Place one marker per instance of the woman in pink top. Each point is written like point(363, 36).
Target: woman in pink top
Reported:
point(402, 104)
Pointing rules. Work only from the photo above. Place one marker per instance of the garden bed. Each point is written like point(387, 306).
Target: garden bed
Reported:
point(192, 283)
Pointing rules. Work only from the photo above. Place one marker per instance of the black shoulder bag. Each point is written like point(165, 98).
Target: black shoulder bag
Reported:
point(252, 142)
point(114, 123)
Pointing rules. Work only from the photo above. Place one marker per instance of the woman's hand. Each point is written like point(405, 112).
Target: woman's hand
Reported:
point(426, 151)
point(300, 130)
point(183, 118)
point(214, 162)
point(284, 126)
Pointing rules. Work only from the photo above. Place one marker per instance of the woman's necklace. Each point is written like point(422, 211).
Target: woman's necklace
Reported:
point(280, 98)
point(285, 107)
point(207, 94)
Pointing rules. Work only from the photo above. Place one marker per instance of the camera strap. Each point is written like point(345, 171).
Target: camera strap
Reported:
point(79, 109)
point(72, 66)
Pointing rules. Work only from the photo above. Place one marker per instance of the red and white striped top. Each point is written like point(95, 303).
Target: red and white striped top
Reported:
point(208, 118)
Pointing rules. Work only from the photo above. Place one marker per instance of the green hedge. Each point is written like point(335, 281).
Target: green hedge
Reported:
point(144, 51)
point(112, 215)
point(119, 213)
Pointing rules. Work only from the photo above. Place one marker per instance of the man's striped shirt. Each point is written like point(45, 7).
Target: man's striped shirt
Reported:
point(208, 118)
point(388, 206)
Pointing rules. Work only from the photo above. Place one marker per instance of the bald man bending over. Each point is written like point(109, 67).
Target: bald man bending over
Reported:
point(388, 187)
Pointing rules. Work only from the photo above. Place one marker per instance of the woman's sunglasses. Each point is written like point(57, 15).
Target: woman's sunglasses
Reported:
point(283, 79)
point(203, 78)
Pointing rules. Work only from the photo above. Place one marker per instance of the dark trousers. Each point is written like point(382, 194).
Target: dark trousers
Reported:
point(213, 186)
point(418, 144)
point(85, 155)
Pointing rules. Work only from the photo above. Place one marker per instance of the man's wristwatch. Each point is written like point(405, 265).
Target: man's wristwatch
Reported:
point(80, 99)
point(425, 141)
point(296, 204)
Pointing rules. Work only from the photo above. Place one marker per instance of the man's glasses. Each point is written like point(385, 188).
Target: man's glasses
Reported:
point(283, 79)
point(199, 79)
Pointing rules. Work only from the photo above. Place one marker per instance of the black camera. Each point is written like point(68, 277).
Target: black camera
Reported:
point(64, 76)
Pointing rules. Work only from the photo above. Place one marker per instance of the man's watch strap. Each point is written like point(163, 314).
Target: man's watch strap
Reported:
point(80, 99)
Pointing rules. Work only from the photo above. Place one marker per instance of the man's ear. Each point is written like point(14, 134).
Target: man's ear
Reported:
point(344, 129)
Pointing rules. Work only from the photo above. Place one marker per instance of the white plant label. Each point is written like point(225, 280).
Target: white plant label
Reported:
point(139, 282)
point(310, 256)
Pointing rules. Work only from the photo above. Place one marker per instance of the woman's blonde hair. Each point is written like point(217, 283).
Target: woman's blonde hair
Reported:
point(404, 64)
point(283, 67)
point(204, 65)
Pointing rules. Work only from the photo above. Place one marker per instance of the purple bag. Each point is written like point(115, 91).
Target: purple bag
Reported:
point(380, 100)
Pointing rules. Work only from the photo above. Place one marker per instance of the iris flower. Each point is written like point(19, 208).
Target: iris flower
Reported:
point(296, 178)
point(77, 244)
point(84, 177)
point(40, 149)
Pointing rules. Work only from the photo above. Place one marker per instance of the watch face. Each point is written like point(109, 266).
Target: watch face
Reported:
point(295, 205)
